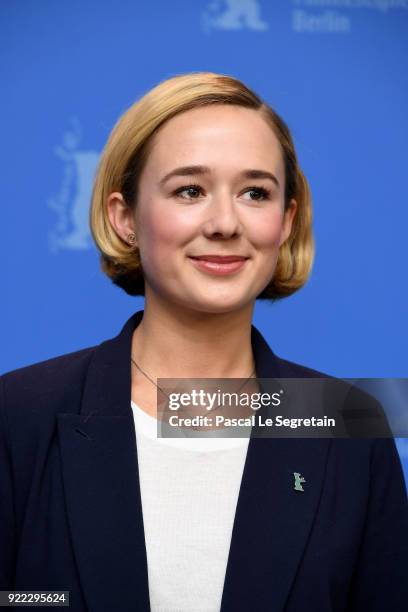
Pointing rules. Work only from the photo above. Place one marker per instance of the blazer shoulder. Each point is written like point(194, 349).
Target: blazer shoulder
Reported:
point(51, 383)
point(63, 364)
point(361, 412)
point(290, 369)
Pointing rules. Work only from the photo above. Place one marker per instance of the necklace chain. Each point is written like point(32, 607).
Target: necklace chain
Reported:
point(160, 389)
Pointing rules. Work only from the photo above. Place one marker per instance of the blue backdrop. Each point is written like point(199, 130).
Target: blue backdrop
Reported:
point(334, 69)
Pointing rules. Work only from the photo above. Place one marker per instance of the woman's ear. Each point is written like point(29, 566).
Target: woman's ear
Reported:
point(121, 217)
point(287, 223)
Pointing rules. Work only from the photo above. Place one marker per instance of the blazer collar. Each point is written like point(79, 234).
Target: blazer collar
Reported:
point(100, 472)
point(108, 385)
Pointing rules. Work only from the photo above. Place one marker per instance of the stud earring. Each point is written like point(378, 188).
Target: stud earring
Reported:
point(131, 238)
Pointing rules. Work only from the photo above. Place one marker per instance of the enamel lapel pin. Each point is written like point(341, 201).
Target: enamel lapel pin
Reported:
point(298, 481)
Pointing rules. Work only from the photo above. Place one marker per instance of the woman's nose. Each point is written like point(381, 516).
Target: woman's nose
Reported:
point(223, 218)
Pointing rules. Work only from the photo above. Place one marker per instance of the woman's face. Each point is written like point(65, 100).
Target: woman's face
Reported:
point(213, 185)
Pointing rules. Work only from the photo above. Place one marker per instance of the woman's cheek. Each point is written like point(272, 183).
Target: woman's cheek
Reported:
point(159, 232)
point(162, 250)
point(267, 234)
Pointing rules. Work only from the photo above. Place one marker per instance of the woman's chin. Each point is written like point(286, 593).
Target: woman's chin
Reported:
point(221, 305)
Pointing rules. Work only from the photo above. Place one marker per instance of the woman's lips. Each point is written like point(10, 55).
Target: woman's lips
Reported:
point(220, 266)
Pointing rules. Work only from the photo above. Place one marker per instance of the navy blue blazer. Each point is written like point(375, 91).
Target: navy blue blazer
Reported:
point(71, 515)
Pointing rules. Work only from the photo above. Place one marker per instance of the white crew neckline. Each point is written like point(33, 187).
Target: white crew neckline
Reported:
point(146, 425)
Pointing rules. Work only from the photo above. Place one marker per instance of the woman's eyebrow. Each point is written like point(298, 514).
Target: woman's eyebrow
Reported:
point(196, 170)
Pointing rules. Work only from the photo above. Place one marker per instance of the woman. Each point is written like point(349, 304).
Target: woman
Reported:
point(199, 204)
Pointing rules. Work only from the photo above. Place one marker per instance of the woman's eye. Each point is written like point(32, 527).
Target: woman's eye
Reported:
point(261, 193)
point(192, 189)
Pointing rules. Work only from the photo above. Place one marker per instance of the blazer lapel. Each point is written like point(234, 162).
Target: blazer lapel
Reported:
point(272, 519)
point(101, 481)
point(100, 472)
point(272, 522)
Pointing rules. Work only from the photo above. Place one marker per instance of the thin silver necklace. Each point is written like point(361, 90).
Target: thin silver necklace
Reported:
point(160, 389)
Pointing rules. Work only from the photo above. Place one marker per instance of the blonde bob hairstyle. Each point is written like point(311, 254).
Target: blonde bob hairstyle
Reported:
point(127, 151)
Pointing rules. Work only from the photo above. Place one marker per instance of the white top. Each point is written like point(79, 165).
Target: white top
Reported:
point(189, 491)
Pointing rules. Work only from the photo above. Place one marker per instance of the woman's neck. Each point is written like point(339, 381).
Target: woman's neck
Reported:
point(175, 343)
